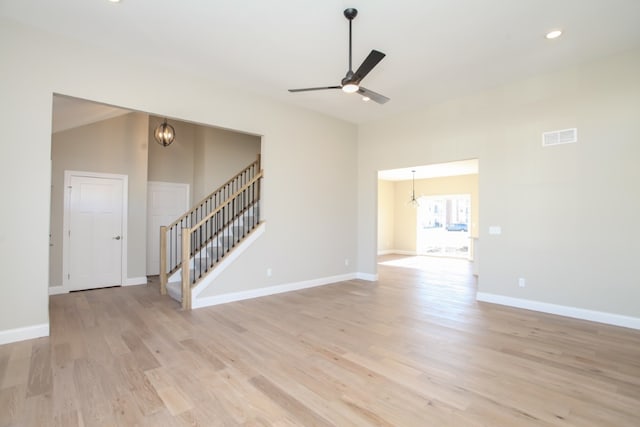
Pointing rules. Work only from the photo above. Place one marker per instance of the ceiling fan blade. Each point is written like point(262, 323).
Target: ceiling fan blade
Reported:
point(315, 88)
point(367, 65)
point(380, 99)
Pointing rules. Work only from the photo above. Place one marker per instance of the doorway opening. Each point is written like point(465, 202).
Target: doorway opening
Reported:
point(438, 234)
point(103, 139)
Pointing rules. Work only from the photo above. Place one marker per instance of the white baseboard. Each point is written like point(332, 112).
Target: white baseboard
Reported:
point(271, 290)
point(367, 276)
point(398, 252)
point(386, 252)
point(134, 281)
point(26, 333)
point(57, 290)
point(562, 310)
point(131, 281)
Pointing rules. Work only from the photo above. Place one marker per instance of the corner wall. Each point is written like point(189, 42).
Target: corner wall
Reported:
point(567, 213)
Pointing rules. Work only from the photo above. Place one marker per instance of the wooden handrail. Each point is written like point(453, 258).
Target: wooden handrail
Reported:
point(201, 202)
point(186, 242)
point(229, 200)
point(239, 202)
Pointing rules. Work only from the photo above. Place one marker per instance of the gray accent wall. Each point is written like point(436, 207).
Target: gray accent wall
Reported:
point(116, 146)
point(201, 156)
point(204, 157)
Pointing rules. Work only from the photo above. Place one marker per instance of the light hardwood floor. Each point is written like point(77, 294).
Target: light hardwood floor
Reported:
point(413, 349)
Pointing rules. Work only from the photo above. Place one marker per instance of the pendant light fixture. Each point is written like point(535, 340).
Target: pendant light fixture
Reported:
point(164, 134)
point(413, 202)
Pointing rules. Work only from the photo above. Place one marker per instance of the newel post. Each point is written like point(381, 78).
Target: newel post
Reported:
point(186, 272)
point(163, 260)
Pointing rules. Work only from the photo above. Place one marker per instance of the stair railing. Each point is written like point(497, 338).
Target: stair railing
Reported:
point(207, 242)
point(171, 251)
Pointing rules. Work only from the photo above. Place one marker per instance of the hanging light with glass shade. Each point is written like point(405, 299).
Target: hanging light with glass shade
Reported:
point(164, 134)
point(413, 202)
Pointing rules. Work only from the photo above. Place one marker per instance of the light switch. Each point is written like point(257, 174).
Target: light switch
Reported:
point(495, 230)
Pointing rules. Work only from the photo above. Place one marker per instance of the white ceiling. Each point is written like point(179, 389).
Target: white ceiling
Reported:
point(435, 49)
point(463, 167)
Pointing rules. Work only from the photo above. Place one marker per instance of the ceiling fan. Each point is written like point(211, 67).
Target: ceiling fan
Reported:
point(351, 81)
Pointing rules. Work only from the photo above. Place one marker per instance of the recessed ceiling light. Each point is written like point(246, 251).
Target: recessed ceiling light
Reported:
point(554, 34)
point(366, 98)
point(114, 1)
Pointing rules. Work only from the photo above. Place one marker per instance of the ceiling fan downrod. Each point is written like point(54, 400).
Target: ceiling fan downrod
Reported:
point(350, 14)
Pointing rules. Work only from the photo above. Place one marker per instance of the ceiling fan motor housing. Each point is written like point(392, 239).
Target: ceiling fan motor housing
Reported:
point(350, 13)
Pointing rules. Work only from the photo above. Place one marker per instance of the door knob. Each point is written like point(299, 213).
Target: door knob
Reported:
point(117, 238)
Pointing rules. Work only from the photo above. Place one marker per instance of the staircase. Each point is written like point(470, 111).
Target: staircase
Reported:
point(196, 244)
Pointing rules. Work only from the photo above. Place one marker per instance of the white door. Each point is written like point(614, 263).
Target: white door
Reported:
point(166, 201)
point(94, 222)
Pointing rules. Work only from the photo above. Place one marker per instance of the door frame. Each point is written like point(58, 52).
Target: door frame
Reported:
point(68, 174)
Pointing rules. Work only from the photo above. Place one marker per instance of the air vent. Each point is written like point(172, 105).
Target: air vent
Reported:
point(557, 137)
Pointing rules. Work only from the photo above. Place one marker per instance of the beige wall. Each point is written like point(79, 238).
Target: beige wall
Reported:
point(204, 157)
point(560, 208)
point(35, 65)
point(386, 217)
point(174, 163)
point(222, 155)
point(117, 146)
point(404, 225)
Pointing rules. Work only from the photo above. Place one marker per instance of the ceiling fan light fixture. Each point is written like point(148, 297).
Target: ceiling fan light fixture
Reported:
point(350, 88)
point(351, 81)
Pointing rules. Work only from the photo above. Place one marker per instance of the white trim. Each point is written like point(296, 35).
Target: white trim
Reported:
point(26, 333)
point(562, 310)
point(131, 281)
point(134, 281)
point(386, 252)
point(272, 290)
point(68, 174)
point(401, 252)
point(397, 252)
point(228, 259)
point(58, 290)
point(367, 276)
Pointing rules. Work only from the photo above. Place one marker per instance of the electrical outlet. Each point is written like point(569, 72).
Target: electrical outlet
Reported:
point(346, 262)
point(521, 282)
point(495, 230)
point(269, 272)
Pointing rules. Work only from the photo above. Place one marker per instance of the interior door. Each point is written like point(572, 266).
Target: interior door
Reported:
point(166, 201)
point(95, 231)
